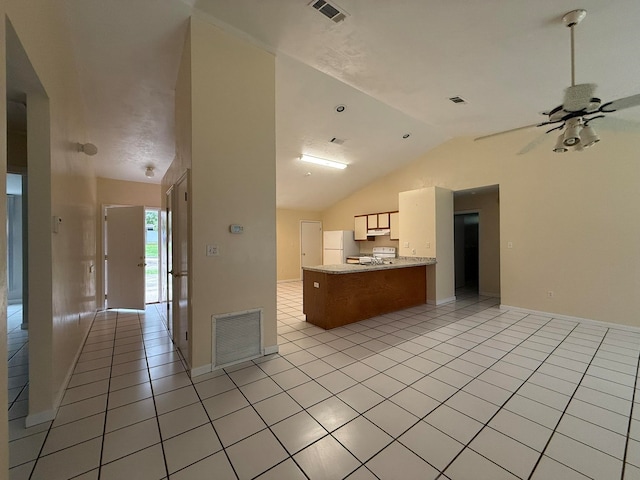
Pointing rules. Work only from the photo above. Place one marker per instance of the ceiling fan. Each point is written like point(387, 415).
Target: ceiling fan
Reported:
point(579, 107)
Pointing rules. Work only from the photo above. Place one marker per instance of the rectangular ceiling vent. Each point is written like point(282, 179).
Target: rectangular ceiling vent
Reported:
point(236, 337)
point(337, 141)
point(329, 10)
point(457, 100)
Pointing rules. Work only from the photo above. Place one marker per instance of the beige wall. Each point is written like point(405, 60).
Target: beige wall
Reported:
point(570, 218)
point(232, 143)
point(288, 235)
point(119, 192)
point(66, 187)
point(488, 207)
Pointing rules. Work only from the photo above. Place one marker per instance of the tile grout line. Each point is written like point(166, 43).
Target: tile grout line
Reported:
point(35, 463)
point(633, 399)
point(362, 414)
point(106, 411)
point(544, 449)
point(153, 397)
point(499, 406)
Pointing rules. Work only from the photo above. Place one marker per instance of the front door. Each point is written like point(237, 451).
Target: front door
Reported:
point(125, 257)
point(310, 244)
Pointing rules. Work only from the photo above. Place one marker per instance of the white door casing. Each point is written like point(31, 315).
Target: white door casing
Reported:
point(125, 250)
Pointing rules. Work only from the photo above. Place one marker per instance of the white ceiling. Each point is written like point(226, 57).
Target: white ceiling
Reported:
point(394, 64)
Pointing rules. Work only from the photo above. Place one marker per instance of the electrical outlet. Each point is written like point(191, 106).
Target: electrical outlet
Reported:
point(406, 244)
point(212, 251)
point(509, 244)
point(316, 285)
point(550, 294)
point(428, 244)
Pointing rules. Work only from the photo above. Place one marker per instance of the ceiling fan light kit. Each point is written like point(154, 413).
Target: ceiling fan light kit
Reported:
point(579, 106)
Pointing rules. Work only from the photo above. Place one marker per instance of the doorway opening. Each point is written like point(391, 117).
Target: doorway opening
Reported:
point(153, 252)
point(17, 332)
point(467, 252)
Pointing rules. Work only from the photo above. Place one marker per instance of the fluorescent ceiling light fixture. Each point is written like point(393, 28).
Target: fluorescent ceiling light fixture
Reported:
point(323, 162)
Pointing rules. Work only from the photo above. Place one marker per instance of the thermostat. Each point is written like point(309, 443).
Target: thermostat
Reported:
point(236, 228)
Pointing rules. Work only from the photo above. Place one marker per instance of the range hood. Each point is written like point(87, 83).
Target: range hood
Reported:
point(378, 231)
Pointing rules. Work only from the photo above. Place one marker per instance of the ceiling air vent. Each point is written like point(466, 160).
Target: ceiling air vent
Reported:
point(332, 11)
point(457, 100)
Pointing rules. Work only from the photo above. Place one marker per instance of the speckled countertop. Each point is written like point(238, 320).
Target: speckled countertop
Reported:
point(400, 262)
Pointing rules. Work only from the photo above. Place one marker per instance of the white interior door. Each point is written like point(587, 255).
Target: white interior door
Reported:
point(180, 228)
point(125, 257)
point(310, 244)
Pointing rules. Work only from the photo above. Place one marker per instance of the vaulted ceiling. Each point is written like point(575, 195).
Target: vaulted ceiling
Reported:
point(394, 65)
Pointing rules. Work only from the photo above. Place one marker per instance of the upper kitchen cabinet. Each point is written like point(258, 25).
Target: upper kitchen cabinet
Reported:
point(383, 220)
point(372, 221)
point(394, 225)
point(360, 227)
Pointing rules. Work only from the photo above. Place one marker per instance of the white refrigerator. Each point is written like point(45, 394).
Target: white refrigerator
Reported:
point(337, 246)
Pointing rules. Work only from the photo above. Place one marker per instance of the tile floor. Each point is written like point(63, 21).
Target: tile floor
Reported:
point(461, 391)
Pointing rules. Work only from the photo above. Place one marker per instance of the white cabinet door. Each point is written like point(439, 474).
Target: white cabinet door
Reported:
point(360, 224)
point(383, 220)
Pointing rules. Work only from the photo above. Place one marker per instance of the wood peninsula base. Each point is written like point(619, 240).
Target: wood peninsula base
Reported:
point(343, 298)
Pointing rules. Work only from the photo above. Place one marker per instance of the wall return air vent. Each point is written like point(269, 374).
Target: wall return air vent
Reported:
point(236, 337)
point(329, 10)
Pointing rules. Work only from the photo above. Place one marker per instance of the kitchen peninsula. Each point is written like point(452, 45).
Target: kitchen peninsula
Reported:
point(336, 295)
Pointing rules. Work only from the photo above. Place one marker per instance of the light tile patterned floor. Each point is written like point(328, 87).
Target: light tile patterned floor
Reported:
point(461, 391)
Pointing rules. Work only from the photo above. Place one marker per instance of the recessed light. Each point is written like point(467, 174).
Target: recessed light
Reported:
point(308, 174)
point(341, 108)
point(406, 135)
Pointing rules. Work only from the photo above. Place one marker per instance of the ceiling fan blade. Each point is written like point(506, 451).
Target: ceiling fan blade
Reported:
point(621, 103)
point(508, 131)
point(536, 142)
point(578, 97)
point(615, 124)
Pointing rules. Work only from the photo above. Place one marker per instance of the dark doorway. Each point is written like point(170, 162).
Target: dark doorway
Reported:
point(466, 235)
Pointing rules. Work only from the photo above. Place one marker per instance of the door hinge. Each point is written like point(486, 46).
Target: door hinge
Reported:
point(185, 196)
point(105, 296)
point(105, 218)
point(186, 336)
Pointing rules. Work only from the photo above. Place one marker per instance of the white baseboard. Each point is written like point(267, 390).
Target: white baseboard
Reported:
point(271, 349)
point(194, 372)
point(489, 294)
point(620, 326)
point(40, 417)
point(442, 301)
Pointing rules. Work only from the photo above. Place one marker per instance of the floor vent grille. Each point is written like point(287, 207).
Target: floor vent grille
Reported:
point(236, 337)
